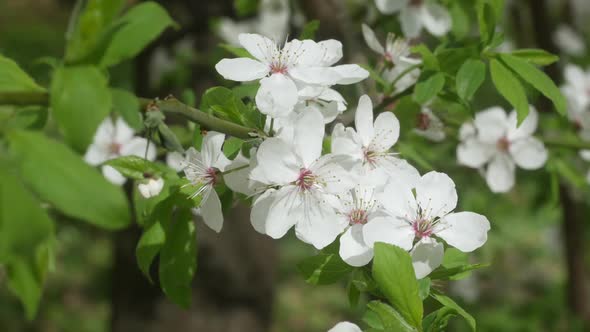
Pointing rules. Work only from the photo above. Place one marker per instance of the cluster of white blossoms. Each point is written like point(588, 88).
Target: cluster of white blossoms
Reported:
point(495, 144)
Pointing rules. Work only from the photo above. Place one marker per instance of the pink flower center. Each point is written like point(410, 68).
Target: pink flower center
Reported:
point(211, 176)
point(370, 156)
point(115, 148)
point(306, 179)
point(423, 121)
point(388, 57)
point(422, 228)
point(278, 68)
point(503, 144)
point(358, 217)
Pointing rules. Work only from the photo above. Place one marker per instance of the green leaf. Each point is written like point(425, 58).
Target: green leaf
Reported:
point(353, 294)
point(408, 151)
point(28, 117)
point(178, 259)
point(60, 177)
point(225, 105)
point(135, 167)
point(424, 287)
point(25, 283)
point(24, 225)
point(394, 273)
point(460, 18)
point(510, 88)
point(246, 7)
point(438, 320)
point(429, 88)
point(149, 245)
point(487, 21)
point(538, 79)
point(309, 30)
point(88, 26)
point(568, 172)
point(127, 105)
point(80, 101)
point(428, 59)
point(455, 272)
point(469, 78)
point(324, 268)
point(141, 25)
point(447, 302)
point(392, 320)
point(13, 78)
point(536, 56)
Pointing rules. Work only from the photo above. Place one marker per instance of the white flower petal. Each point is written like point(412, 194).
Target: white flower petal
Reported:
point(211, 210)
point(284, 212)
point(276, 163)
point(316, 75)
point(436, 19)
point(152, 188)
point(332, 51)
point(319, 224)
point(427, 255)
point(345, 326)
point(500, 174)
point(211, 150)
point(398, 198)
point(364, 120)
point(241, 69)
point(260, 210)
point(105, 133)
point(386, 132)
point(411, 21)
point(353, 249)
point(491, 124)
point(346, 141)
point(388, 230)
point(96, 154)
point(175, 160)
point(276, 96)
point(574, 75)
point(436, 194)
point(113, 175)
point(331, 171)
point(137, 147)
point(526, 128)
point(371, 40)
point(259, 46)
point(529, 153)
point(309, 134)
point(465, 231)
point(349, 74)
point(123, 133)
point(474, 153)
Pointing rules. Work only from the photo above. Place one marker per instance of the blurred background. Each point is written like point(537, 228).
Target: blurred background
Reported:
point(537, 248)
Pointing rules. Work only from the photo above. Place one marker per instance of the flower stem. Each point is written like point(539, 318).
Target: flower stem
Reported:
point(569, 144)
point(168, 106)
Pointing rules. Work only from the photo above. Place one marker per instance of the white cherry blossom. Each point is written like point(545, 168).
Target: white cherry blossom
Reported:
point(281, 69)
point(430, 126)
point(576, 89)
point(369, 145)
point(114, 139)
point(395, 50)
point(175, 160)
point(300, 182)
point(409, 78)
point(420, 213)
point(203, 170)
point(498, 145)
point(151, 188)
point(357, 208)
point(345, 327)
point(417, 14)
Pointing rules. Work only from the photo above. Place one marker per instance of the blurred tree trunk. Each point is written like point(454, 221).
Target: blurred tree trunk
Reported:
point(234, 283)
point(572, 211)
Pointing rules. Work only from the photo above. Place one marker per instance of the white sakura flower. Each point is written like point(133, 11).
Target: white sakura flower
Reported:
point(569, 41)
point(237, 174)
point(203, 170)
point(326, 100)
point(369, 145)
point(500, 144)
point(175, 160)
point(305, 182)
point(430, 126)
point(357, 208)
point(576, 89)
point(409, 78)
point(415, 14)
point(395, 50)
point(113, 140)
point(305, 62)
point(345, 327)
point(151, 188)
point(422, 212)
